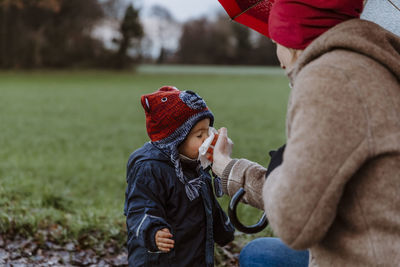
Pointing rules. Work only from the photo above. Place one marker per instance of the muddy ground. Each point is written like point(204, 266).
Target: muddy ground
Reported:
point(19, 251)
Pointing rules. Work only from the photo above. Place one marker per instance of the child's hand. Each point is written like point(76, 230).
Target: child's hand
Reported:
point(164, 240)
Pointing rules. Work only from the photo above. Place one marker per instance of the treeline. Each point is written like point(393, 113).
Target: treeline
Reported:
point(59, 34)
point(222, 41)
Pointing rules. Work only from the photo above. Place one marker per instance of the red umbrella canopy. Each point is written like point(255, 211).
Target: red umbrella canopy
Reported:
point(252, 13)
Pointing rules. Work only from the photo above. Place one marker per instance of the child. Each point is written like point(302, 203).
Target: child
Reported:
point(172, 216)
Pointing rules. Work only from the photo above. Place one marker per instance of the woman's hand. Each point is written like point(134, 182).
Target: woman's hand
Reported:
point(222, 152)
point(164, 240)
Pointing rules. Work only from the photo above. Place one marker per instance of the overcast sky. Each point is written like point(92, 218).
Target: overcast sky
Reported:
point(184, 9)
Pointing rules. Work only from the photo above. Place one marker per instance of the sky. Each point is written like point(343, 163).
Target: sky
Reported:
point(183, 10)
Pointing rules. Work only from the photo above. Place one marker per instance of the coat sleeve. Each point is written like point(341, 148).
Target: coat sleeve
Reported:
point(327, 143)
point(144, 201)
point(250, 176)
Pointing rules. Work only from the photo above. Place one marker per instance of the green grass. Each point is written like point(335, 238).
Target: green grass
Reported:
point(66, 136)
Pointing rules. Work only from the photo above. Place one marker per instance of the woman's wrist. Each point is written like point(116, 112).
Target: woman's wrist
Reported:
point(219, 165)
point(225, 175)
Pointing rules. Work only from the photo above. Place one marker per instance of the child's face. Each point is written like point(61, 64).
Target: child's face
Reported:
point(195, 138)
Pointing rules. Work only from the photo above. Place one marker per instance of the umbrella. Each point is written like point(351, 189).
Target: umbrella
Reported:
point(252, 13)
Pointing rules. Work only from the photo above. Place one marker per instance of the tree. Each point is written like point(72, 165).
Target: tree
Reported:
point(205, 42)
point(243, 45)
point(264, 52)
point(131, 34)
point(47, 33)
point(166, 25)
point(68, 33)
point(223, 42)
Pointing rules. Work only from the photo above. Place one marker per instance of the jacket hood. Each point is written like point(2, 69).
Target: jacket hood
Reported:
point(152, 151)
point(147, 152)
point(361, 36)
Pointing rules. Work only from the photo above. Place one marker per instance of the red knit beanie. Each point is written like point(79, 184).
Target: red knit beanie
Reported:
point(168, 109)
point(170, 115)
point(296, 23)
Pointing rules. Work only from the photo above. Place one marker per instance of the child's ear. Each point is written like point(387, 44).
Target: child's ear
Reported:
point(145, 103)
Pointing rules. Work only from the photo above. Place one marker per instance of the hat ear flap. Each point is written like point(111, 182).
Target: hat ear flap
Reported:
point(145, 104)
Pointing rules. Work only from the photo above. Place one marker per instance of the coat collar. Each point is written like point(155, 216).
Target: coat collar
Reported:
point(357, 35)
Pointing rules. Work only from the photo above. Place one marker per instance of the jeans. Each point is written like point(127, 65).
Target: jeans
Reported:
point(271, 252)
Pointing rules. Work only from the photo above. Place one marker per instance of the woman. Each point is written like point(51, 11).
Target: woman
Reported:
point(336, 192)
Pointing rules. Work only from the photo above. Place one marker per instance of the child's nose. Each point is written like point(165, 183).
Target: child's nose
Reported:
point(205, 137)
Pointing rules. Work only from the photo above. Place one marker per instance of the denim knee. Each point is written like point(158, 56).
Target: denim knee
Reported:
point(271, 252)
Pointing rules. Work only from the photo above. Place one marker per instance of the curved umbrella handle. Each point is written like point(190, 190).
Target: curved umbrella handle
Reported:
point(258, 227)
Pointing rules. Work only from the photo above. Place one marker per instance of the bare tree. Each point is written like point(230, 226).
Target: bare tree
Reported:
point(166, 25)
point(49, 33)
point(243, 46)
point(223, 42)
point(206, 42)
point(264, 52)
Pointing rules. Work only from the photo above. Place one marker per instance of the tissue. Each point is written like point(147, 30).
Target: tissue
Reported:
point(212, 132)
point(208, 144)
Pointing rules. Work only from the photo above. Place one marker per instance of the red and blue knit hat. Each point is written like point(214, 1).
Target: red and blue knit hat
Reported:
point(170, 115)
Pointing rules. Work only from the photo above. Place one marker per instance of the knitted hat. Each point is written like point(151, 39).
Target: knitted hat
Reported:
point(296, 23)
point(170, 115)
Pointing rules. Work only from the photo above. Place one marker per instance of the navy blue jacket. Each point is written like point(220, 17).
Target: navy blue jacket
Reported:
point(156, 199)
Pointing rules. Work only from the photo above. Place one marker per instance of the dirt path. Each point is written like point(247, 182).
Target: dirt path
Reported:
point(27, 252)
point(22, 252)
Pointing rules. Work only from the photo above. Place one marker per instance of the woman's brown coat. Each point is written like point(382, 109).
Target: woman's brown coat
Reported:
point(337, 192)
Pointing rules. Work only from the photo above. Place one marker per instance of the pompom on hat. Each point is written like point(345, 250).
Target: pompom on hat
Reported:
point(170, 115)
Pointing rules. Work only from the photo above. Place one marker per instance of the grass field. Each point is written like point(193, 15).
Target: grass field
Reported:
point(65, 138)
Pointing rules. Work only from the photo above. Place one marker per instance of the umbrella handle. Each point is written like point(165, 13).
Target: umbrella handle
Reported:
point(232, 213)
